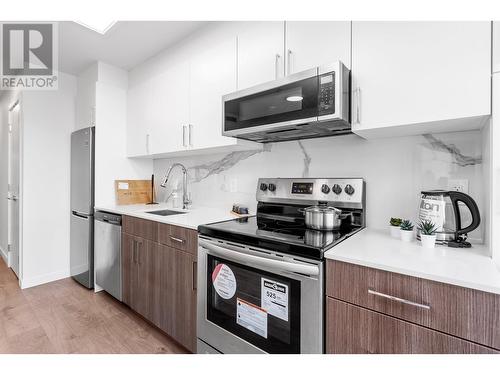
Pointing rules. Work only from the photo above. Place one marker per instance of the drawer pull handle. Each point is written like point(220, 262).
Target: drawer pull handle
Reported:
point(180, 240)
point(397, 299)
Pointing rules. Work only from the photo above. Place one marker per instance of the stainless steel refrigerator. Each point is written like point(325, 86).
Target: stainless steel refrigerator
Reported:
point(82, 207)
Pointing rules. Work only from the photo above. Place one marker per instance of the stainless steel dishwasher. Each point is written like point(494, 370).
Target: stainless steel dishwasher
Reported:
point(107, 252)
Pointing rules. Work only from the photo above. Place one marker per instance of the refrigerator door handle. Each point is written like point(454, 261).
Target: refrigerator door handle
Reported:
point(80, 215)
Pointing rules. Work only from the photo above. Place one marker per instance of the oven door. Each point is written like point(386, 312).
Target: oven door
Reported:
point(253, 301)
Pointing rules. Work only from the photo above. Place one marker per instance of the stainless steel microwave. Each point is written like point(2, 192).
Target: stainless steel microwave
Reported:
point(309, 104)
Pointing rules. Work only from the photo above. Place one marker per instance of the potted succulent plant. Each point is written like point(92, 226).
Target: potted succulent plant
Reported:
point(394, 227)
point(406, 231)
point(427, 233)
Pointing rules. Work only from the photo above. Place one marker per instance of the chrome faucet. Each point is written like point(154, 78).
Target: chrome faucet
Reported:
point(185, 199)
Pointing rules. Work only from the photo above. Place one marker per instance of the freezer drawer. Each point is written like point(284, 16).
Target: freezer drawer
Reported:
point(82, 249)
point(107, 249)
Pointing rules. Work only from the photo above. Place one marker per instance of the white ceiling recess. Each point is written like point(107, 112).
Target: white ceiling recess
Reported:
point(125, 45)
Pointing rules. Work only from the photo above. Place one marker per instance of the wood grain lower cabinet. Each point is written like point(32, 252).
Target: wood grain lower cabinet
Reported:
point(159, 281)
point(356, 330)
point(178, 295)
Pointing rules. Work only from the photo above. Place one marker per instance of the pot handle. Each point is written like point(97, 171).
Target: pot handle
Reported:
point(457, 197)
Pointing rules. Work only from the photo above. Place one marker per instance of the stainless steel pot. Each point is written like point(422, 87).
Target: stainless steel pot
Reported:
point(323, 217)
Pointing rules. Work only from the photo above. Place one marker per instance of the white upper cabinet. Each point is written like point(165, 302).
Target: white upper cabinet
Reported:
point(496, 46)
point(170, 112)
point(260, 53)
point(213, 74)
point(139, 108)
point(310, 44)
point(418, 77)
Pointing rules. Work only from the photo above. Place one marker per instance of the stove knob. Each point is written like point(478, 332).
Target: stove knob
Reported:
point(263, 187)
point(337, 189)
point(325, 189)
point(349, 189)
point(272, 187)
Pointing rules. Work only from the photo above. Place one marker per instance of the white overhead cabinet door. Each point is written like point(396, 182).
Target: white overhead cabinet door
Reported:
point(170, 112)
point(496, 46)
point(139, 109)
point(260, 53)
point(314, 43)
point(213, 74)
point(417, 77)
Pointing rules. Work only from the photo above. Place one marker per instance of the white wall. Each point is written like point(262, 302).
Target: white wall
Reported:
point(494, 134)
point(395, 170)
point(111, 139)
point(7, 98)
point(48, 120)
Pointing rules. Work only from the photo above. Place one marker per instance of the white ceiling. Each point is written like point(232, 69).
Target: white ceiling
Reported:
point(125, 45)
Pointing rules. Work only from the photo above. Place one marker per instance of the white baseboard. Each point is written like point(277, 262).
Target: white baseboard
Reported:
point(43, 279)
point(5, 256)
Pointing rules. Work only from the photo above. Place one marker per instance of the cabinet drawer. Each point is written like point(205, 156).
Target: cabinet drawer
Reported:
point(143, 228)
point(466, 313)
point(178, 238)
point(356, 330)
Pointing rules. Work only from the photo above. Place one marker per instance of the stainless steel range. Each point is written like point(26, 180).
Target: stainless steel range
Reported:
point(261, 278)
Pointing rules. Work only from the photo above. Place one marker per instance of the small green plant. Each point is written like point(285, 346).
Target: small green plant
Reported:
point(406, 225)
point(427, 227)
point(395, 221)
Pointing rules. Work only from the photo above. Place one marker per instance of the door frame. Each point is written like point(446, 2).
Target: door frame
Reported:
point(16, 102)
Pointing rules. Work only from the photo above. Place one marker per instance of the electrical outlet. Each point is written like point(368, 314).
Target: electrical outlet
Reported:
point(461, 185)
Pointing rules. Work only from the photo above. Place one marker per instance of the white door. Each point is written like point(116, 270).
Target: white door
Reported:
point(170, 111)
point(213, 74)
point(314, 43)
point(14, 188)
point(260, 53)
point(139, 104)
point(419, 72)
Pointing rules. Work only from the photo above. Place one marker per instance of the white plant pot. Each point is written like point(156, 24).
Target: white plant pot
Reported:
point(428, 241)
point(406, 235)
point(395, 231)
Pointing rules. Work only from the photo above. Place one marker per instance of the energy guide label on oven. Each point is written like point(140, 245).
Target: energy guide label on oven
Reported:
point(224, 281)
point(251, 317)
point(274, 298)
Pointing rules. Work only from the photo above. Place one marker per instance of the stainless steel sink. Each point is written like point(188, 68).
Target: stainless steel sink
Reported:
point(165, 212)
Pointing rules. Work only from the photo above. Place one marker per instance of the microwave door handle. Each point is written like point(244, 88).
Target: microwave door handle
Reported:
point(277, 265)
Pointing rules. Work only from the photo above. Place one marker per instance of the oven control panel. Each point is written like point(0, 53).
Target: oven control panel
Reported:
point(347, 192)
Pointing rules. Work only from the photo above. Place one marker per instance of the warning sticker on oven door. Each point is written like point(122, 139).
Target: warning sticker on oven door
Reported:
point(274, 298)
point(224, 281)
point(251, 317)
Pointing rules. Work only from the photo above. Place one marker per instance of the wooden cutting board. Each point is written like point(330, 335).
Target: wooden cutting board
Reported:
point(132, 191)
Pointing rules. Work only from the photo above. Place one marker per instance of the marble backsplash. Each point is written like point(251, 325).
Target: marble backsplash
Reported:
point(395, 170)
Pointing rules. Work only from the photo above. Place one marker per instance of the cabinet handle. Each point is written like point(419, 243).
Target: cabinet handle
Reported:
point(147, 144)
point(180, 240)
point(276, 65)
point(134, 253)
point(139, 252)
point(195, 275)
point(190, 135)
point(289, 59)
point(358, 105)
point(397, 299)
point(184, 135)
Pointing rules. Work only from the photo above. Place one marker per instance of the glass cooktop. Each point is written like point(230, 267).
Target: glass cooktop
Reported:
point(291, 237)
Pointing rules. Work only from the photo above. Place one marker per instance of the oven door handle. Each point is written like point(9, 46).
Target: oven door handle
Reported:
point(277, 265)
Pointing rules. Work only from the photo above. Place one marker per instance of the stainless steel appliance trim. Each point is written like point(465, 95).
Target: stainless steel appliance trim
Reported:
point(397, 299)
point(271, 84)
point(267, 127)
point(311, 321)
point(255, 261)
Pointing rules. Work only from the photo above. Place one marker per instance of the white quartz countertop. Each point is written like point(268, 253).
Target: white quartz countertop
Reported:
point(190, 218)
point(469, 268)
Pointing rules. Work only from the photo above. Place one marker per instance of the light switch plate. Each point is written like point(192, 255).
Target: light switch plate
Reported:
point(461, 185)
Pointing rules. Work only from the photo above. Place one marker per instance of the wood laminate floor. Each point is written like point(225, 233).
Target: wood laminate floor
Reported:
point(64, 317)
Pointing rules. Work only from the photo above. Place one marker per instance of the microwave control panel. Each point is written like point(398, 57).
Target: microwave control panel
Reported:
point(326, 99)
